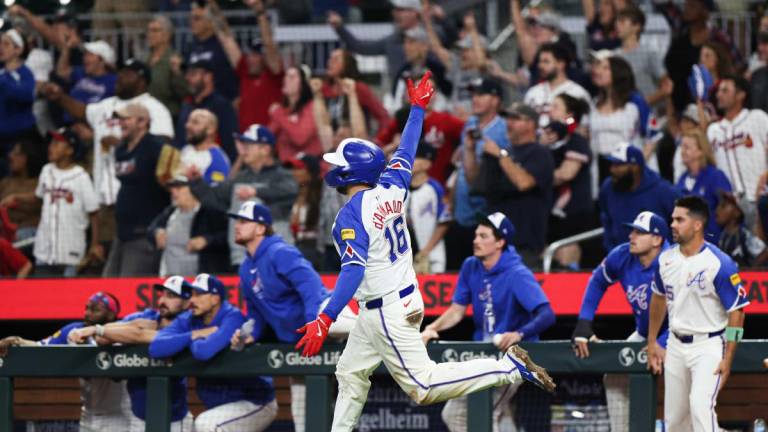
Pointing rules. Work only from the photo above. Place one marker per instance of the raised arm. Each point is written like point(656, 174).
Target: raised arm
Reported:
point(356, 116)
point(435, 44)
point(588, 6)
point(321, 115)
point(38, 24)
point(373, 47)
point(224, 34)
point(524, 39)
point(271, 52)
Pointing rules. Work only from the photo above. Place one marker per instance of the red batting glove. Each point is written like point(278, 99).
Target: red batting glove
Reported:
point(421, 94)
point(315, 333)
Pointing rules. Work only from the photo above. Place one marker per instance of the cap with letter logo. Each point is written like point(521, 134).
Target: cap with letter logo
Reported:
point(177, 285)
point(251, 211)
point(209, 284)
point(650, 223)
point(503, 225)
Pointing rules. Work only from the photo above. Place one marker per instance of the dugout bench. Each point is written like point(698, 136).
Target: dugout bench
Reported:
point(132, 361)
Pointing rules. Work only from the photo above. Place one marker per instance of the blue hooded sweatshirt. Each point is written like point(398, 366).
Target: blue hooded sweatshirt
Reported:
point(617, 208)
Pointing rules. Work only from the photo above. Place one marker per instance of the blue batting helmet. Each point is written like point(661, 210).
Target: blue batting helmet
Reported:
point(357, 161)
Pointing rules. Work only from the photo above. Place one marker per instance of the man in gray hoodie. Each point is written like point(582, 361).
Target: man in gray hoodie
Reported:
point(255, 176)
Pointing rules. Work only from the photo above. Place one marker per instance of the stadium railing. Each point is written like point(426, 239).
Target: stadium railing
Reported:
point(267, 359)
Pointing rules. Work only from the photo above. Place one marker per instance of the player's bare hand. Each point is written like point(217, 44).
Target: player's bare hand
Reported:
point(724, 370)
point(505, 340)
point(52, 92)
point(335, 20)
point(81, 335)
point(235, 341)
point(428, 334)
point(204, 333)
point(196, 244)
point(108, 142)
point(161, 237)
point(656, 356)
point(246, 192)
point(490, 147)
point(7, 342)
point(581, 346)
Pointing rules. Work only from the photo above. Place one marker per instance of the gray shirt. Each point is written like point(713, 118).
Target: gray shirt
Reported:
point(647, 66)
point(176, 259)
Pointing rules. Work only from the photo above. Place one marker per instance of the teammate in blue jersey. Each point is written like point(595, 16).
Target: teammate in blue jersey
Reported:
point(371, 235)
point(232, 404)
point(700, 289)
point(281, 290)
point(509, 306)
point(141, 328)
point(632, 265)
point(102, 398)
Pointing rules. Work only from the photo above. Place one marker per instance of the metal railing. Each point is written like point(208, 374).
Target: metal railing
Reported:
point(549, 253)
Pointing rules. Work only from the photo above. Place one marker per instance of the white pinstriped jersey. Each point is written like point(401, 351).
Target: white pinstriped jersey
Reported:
point(540, 96)
point(68, 197)
point(740, 149)
point(700, 289)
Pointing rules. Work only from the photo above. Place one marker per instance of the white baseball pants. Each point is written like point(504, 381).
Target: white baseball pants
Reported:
point(454, 412)
point(240, 416)
point(183, 425)
point(690, 384)
point(617, 394)
point(391, 334)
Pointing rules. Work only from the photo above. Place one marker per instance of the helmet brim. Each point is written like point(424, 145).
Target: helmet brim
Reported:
point(335, 159)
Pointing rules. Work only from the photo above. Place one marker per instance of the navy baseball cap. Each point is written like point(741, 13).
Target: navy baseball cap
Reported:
point(256, 134)
point(203, 64)
point(208, 284)
point(650, 223)
point(176, 284)
point(425, 151)
point(68, 136)
point(251, 211)
point(503, 225)
point(139, 67)
point(486, 86)
point(625, 153)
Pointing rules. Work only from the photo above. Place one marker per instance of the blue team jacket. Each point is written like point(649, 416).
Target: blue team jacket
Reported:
point(212, 391)
point(281, 288)
point(509, 286)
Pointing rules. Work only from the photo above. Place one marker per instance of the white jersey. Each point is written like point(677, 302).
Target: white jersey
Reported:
point(426, 210)
point(540, 96)
point(700, 289)
point(371, 230)
point(68, 197)
point(100, 117)
point(740, 149)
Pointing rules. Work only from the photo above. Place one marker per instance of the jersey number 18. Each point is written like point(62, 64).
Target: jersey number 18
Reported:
point(395, 235)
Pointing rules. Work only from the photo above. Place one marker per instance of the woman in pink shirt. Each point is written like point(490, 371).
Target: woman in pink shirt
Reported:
point(292, 121)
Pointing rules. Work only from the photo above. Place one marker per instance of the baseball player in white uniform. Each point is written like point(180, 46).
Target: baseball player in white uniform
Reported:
point(740, 140)
point(700, 288)
point(371, 235)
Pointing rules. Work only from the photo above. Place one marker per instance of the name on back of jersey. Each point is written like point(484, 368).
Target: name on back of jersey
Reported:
point(386, 209)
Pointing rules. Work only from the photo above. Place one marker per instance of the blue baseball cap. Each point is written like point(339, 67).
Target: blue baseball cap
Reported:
point(253, 212)
point(176, 284)
point(625, 153)
point(650, 223)
point(503, 225)
point(207, 283)
point(256, 134)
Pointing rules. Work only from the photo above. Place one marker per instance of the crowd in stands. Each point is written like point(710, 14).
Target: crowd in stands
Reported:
point(127, 166)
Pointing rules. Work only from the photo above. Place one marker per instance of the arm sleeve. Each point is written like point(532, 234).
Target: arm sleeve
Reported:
point(543, 318)
point(204, 349)
point(172, 339)
point(371, 103)
point(346, 285)
point(280, 188)
point(602, 277)
point(162, 123)
point(291, 265)
point(398, 171)
point(218, 170)
point(60, 337)
point(463, 293)
point(375, 47)
point(215, 197)
point(729, 286)
point(657, 285)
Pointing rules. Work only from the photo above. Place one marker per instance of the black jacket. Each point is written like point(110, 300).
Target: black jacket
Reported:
point(209, 223)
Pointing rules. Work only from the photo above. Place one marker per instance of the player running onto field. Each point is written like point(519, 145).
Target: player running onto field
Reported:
point(372, 238)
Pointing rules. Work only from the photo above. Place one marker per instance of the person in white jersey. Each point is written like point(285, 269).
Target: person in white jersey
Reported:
point(371, 235)
point(740, 140)
point(699, 287)
point(427, 213)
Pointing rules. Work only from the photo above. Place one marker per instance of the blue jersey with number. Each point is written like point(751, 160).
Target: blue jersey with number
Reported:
point(371, 230)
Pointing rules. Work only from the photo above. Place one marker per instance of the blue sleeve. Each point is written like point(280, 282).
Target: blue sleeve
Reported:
point(60, 337)
point(729, 286)
point(346, 285)
point(172, 339)
point(463, 293)
point(304, 279)
point(661, 339)
point(657, 285)
point(204, 349)
point(76, 74)
point(603, 276)
point(543, 318)
point(147, 314)
point(440, 193)
point(350, 235)
point(398, 171)
point(227, 127)
point(721, 183)
point(218, 170)
point(527, 290)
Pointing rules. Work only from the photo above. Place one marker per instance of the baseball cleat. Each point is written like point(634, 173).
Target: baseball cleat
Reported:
point(529, 370)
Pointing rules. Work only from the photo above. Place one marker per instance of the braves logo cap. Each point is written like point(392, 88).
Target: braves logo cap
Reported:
point(649, 223)
point(256, 134)
point(177, 285)
point(253, 212)
point(503, 225)
point(206, 283)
